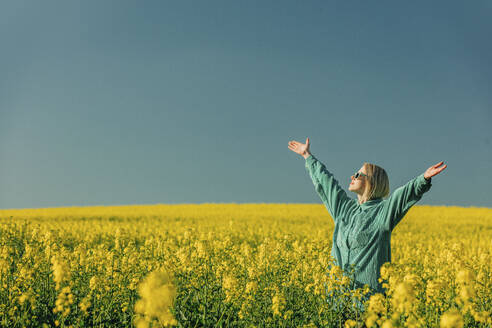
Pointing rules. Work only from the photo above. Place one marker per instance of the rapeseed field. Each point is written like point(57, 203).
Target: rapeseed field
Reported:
point(236, 265)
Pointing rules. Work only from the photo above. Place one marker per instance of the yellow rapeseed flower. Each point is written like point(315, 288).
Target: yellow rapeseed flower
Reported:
point(157, 297)
point(464, 276)
point(452, 319)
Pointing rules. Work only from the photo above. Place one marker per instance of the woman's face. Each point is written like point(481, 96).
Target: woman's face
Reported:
point(358, 185)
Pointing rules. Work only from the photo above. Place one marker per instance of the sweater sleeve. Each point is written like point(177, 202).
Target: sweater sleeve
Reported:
point(404, 198)
point(332, 195)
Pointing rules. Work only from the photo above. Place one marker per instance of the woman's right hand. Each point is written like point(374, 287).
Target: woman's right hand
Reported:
point(300, 148)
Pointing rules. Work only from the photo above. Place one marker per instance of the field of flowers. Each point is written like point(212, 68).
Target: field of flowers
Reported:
point(235, 265)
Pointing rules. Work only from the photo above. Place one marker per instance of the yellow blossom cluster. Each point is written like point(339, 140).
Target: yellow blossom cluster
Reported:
point(157, 294)
point(440, 274)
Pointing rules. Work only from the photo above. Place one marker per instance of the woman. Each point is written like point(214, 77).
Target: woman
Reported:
point(361, 239)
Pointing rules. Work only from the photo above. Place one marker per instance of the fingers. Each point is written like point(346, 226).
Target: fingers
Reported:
point(297, 144)
point(292, 147)
point(439, 169)
point(294, 143)
point(436, 171)
point(438, 164)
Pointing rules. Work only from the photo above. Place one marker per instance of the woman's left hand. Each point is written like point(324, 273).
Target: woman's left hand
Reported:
point(434, 170)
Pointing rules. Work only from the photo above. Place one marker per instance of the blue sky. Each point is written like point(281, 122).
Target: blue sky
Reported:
point(126, 102)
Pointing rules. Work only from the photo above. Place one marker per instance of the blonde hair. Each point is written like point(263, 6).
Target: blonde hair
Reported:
point(378, 182)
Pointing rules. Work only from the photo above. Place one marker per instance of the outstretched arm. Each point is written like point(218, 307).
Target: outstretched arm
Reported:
point(333, 196)
point(406, 196)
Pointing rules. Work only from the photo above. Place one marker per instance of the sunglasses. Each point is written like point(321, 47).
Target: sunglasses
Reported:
point(358, 174)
